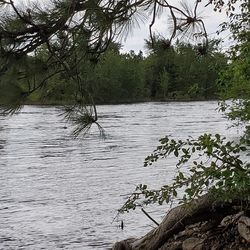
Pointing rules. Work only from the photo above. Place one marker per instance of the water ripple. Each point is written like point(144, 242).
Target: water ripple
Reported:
point(60, 193)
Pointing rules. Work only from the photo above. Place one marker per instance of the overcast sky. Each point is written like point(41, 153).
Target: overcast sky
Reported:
point(135, 40)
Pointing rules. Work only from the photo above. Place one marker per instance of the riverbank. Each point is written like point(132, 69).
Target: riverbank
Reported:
point(201, 225)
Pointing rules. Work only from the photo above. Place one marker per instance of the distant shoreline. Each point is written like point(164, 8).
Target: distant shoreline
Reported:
point(62, 103)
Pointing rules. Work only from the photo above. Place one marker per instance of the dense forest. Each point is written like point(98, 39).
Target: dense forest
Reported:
point(179, 72)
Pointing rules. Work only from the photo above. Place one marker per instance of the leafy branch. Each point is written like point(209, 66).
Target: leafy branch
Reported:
point(209, 164)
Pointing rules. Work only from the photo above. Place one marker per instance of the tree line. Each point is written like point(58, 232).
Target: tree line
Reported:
point(179, 72)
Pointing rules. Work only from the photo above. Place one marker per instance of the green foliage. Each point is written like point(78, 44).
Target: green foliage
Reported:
point(179, 72)
point(207, 164)
point(234, 83)
point(118, 77)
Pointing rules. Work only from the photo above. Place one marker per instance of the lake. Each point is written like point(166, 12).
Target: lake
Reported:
point(60, 193)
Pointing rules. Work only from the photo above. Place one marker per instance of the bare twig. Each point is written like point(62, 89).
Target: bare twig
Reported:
point(149, 217)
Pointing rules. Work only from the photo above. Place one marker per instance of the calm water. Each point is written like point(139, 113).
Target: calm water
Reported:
point(60, 193)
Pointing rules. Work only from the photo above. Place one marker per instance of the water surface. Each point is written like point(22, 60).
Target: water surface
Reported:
point(61, 193)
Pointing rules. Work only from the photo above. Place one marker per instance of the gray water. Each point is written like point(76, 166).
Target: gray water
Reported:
point(61, 193)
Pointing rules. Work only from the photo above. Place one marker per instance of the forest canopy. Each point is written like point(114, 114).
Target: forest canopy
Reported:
point(42, 41)
point(176, 73)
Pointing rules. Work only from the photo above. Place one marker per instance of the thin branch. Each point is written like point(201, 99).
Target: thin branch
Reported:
point(150, 217)
point(152, 23)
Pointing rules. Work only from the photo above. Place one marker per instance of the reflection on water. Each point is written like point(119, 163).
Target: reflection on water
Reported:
point(60, 193)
